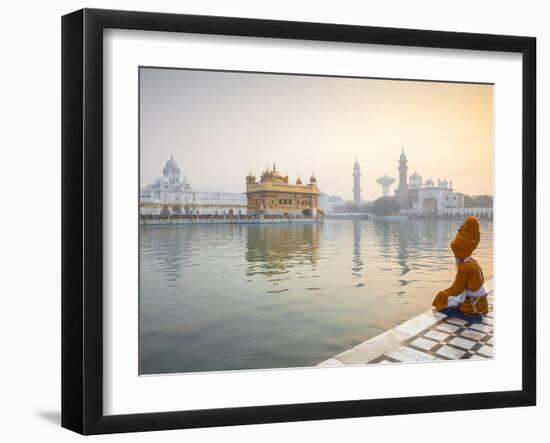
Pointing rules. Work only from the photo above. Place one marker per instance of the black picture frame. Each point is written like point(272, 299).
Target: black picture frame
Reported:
point(82, 218)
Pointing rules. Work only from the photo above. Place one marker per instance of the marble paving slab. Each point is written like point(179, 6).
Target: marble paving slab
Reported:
point(429, 336)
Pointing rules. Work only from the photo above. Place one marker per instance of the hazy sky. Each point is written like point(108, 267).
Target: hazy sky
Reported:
point(221, 125)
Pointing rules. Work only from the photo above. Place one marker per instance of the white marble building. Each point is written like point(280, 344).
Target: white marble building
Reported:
point(172, 194)
point(426, 198)
point(437, 199)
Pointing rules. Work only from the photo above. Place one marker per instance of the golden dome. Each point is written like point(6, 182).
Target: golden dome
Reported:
point(274, 176)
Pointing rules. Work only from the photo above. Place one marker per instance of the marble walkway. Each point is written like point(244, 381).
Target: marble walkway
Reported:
point(429, 336)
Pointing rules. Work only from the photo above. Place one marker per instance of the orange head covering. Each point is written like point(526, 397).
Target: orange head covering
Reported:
point(467, 238)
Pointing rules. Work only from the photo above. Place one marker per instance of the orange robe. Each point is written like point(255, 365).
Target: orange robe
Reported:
point(468, 276)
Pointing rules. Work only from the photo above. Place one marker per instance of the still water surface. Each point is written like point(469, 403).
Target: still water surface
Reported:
point(230, 297)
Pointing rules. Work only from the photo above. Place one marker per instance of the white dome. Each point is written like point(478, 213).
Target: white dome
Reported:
point(171, 169)
point(415, 181)
point(171, 163)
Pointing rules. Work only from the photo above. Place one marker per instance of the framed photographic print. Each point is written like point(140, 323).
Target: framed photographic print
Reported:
point(269, 221)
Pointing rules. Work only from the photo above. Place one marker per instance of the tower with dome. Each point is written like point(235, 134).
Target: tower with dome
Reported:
point(429, 198)
point(356, 182)
point(403, 187)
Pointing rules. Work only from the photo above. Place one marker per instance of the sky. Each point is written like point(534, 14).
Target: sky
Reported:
point(219, 126)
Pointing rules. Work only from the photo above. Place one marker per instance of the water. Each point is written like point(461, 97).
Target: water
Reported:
point(233, 297)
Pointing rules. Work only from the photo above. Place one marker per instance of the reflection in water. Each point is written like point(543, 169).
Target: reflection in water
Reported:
point(217, 297)
point(403, 242)
point(272, 249)
point(357, 262)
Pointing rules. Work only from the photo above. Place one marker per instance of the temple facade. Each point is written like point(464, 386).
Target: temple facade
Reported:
point(437, 199)
point(274, 195)
point(171, 194)
point(426, 199)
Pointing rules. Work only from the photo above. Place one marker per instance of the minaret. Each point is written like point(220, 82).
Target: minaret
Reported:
point(403, 189)
point(356, 182)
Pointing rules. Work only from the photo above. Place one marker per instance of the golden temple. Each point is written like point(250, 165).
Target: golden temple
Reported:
point(274, 196)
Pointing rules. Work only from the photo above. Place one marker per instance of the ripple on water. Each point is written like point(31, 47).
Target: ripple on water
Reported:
point(277, 291)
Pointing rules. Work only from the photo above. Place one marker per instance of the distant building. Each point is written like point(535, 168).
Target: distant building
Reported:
point(403, 188)
point(385, 182)
point(440, 199)
point(171, 194)
point(328, 202)
point(415, 181)
point(426, 199)
point(356, 182)
point(273, 195)
point(336, 206)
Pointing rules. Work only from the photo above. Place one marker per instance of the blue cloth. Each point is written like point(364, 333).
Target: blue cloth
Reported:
point(455, 312)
